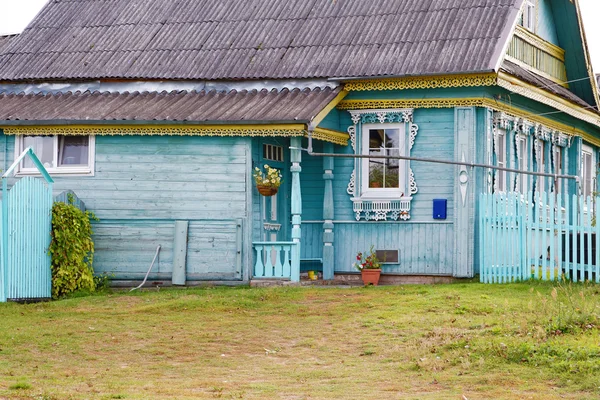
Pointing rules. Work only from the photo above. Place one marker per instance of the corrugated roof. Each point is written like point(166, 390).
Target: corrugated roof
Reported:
point(543, 83)
point(4, 41)
point(263, 106)
point(256, 39)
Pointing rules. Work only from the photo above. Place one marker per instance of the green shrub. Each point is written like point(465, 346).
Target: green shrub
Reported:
point(71, 249)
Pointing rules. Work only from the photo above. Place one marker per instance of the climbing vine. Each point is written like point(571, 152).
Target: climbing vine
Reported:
point(71, 249)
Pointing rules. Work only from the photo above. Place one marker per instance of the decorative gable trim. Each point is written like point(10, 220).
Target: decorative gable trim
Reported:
point(423, 82)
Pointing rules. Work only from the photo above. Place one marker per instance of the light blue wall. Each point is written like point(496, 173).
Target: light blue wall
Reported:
point(142, 184)
point(426, 245)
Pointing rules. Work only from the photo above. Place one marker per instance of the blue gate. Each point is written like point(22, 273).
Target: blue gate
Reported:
point(25, 271)
point(543, 236)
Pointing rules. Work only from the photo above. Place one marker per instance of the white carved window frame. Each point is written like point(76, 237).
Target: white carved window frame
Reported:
point(381, 204)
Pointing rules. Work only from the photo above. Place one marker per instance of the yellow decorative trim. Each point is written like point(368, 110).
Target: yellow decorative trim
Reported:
point(324, 112)
point(540, 43)
point(332, 136)
point(423, 82)
point(467, 102)
point(159, 130)
point(409, 103)
point(162, 130)
point(515, 85)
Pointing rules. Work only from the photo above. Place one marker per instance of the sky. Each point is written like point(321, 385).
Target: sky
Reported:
point(16, 14)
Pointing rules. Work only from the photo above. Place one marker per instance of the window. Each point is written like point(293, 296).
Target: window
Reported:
point(59, 154)
point(272, 152)
point(588, 175)
point(383, 177)
point(541, 160)
point(523, 178)
point(528, 16)
point(501, 162)
point(558, 167)
point(382, 189)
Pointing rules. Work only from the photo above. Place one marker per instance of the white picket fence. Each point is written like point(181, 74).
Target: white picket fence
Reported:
point(538, 236)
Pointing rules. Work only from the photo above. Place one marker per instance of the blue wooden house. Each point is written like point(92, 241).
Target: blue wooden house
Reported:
point(155, 114)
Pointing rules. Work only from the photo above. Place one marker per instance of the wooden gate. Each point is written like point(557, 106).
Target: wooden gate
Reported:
point(538, 236)
point(25, 235)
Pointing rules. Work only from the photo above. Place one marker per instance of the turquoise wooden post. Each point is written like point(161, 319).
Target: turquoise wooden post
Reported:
point(328, 215)
point(296, 158)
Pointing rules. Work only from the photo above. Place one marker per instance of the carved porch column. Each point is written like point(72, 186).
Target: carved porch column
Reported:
point(296, 158)
point(328, 214)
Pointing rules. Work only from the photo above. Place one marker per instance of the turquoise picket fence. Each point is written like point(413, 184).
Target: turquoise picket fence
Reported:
point(26, 221)
point(538, 236)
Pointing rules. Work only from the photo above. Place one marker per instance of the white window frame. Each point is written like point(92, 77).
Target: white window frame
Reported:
point(523, 165)
point(78, 170)
point(501, 157)
point(558, 168)
point(588, 181)
point(529, 16)
point(384, 193)
point(541, 166)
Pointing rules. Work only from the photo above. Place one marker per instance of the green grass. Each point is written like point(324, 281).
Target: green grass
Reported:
point(518, 341)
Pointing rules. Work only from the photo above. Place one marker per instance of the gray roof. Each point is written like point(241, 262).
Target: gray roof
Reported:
point(245, 106)
point(4, 41)
point(257, 39)
point(541, 82)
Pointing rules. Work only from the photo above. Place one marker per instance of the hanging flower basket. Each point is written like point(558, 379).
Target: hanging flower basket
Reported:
point(267, 182)
point(267, 191)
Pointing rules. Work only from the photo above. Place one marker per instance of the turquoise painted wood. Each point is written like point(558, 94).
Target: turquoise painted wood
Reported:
point(296, 169)
point(546, 28)
point(539, 236)
point(275, 260)
point(25, 271)
point(143, 184)
point(328, 215)
point(464, 191)
point(425, 248)
point(180, 247)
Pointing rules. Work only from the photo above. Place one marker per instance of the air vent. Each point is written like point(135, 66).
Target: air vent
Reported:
point(388, 256)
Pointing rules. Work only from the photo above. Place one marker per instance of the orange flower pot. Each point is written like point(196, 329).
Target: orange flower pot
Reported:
point(370, 276)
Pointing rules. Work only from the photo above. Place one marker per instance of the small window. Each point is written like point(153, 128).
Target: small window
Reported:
point(523, 178)
point(528, 17)
point(588, 175)
point(272, 152)
point(558, 167)
point(541, 161)
point(501, 162)
point(387, 256)
point(59, 154)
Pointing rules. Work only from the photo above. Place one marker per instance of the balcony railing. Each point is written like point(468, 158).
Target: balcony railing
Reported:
point(277, 260)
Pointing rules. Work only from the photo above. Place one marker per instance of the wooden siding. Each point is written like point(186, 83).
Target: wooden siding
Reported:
point(142, 184)
point(435, 181)
point(546, 28)
point(425, 248)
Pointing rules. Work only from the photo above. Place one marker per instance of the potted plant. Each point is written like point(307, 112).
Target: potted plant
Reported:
point(369, 267)
point(267, 182)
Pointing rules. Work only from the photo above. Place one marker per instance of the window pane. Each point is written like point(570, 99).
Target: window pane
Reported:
point(392, 138)
point(73, 150)
point(42, 147)
point(392, 171)
point(376, 170)
point(376, 138)
point(587, 174)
